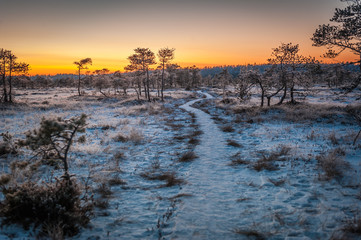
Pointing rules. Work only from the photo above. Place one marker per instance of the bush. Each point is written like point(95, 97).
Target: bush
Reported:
point(332, 164)
point(227, 128)
point(7, 145)
point(267, 161)
point(188, 157)
point(169, 177)
point(58, 204)
point(237, 160)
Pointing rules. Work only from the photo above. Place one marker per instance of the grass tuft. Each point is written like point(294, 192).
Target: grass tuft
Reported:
point(187, 157)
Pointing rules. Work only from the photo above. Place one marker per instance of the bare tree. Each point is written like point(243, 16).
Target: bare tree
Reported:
point(140, 61)
point(172, 71)
point(82, 64)
point(290, 67)
point(282, 57)
point(120, 81)
point(244, 82)
point(3, 54)
point(224, 77)
point(102, 80)
point(8, 67)
point(165, 55)
point(344, 35)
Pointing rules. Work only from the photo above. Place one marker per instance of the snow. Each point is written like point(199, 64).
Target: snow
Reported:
point(218, 200)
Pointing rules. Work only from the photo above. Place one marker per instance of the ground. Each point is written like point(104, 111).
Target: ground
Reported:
point(196, 167)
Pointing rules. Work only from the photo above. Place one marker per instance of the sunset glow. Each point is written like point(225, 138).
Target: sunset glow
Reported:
point(51, 35)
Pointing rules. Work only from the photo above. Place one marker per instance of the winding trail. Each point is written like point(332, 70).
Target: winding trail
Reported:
point(211, 212)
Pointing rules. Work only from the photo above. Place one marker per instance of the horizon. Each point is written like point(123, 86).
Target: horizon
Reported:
point(51, 35)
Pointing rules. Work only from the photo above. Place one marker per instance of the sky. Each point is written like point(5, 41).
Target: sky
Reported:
point(51, 34)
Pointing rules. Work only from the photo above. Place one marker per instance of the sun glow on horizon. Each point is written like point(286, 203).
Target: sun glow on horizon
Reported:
point(204, 33)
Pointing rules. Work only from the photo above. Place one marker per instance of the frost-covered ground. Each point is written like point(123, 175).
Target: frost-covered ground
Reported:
point(225, 192)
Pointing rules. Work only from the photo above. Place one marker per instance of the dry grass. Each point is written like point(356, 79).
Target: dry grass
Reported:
point(107, 127)
point(250, 234)
point(193, 141)
point(237, 160)
point(333, 139)
point(353, 226)
point(116, 181)
point(233, 143)
point(227, 128)
point(267, 161)
point(104, 190)
point(169, 177)
point(134, 136)
point(333, 165)
point(187, 157)
point(277, 182)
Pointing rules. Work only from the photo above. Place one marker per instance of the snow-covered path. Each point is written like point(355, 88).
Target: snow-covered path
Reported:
point(211, 212)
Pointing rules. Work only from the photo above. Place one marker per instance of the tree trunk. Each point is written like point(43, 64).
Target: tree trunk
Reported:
point(269, 101)
point(162, 84)
point(10, 85)
point(262, 94)
point(292, 89)
point(79, 83)
point(4, 82)
point(283, 96)
point(145, 88)
point(139, 88)
point(148, 86)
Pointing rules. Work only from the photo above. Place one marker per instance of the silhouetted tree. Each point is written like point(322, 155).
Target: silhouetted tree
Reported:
point(224, 78)
point(140, 61)
point(344, 35)
point(8, 67)
point(82, 65)
point(120, 81)
point(172, 70)
point(165, 55)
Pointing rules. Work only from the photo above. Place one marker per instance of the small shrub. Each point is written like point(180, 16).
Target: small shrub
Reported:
point(250, 233)
point(193, 141)
point(7, 145)
point(237, 160)
point(267, 161)
point(332, 164)
point(101, 203)
point(277, 183)
point(196, 133)
point(47, 205)
point(233, 143)
point(169, 176)
point(120, 138)
point(311, 136)
point(227, 128)
point(118, 156)
point(116, 181)
point(187, 157)
point(104, 190)
point(107, 127)
point(353, 225)
point(264, 164)
point(134, 136)
point(333, 139)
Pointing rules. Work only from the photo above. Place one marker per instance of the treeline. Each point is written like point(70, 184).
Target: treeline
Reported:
point(148, 72)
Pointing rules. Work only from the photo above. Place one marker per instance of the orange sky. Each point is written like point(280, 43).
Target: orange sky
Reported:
point(50, 35)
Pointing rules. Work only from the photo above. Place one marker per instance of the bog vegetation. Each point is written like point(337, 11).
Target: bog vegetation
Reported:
point(40, 191)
